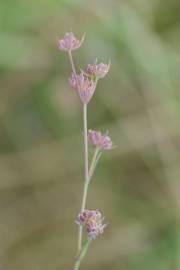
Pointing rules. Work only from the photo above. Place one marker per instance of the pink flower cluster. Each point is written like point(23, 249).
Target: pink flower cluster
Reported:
point(84, 86)
point(97, 70)
point(69, 42)
point(85, 82)
point(93, 221)
point(103, 141)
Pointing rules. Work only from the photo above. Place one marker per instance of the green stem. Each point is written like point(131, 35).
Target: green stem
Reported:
point(86, 169)
point(86, 184)
point(86, 173)
point(96, 156)
point(72, 64)
point(82, 254)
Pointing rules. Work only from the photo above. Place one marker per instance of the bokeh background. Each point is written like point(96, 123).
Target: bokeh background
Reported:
point(137, 185)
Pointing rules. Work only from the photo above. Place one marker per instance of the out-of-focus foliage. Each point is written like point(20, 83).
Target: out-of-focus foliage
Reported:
point(137, 184)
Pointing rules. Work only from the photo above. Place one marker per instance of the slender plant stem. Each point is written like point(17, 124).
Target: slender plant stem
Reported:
point(82, 254)
point(86, 173)
point(86, 168)
point(72, 63)
point(94, 161)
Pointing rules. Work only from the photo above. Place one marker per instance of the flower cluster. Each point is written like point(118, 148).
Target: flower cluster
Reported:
point(103, 141)
point(69, 42)
point(84, 86)
point(93, 221)
point(97, 70)
point(85, 82)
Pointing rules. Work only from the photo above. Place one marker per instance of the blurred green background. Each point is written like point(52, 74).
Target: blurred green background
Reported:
point(137, 185)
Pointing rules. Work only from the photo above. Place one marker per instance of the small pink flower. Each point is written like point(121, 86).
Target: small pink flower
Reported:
point(93, 221)
point(69, 42)
point(84, 86)
point(103, 141)
point(97, 70)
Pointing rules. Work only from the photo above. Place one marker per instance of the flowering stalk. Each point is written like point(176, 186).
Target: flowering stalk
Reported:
point(86, 174)
point(85, 85)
